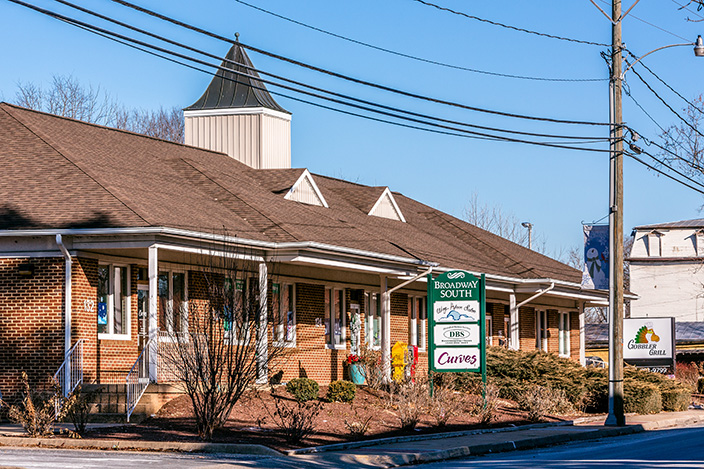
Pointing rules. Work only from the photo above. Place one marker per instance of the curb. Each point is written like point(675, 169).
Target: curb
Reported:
point(397, 460)
point(132, 445)
point(431, 436)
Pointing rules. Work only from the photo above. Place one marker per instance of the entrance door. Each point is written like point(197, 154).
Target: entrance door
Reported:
point(142, 315)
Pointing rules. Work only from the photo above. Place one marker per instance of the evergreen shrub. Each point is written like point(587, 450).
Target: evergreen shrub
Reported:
point(303, 389)
point(341, 391)
point(641, 397)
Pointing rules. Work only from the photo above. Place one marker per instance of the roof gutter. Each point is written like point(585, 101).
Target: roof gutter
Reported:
point(312, 245)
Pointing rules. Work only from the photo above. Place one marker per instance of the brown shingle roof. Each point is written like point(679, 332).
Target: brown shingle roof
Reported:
point(59, 172)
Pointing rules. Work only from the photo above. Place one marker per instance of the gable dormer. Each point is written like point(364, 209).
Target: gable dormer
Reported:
point(654, 243)
point(386, 207)
point(306, 191)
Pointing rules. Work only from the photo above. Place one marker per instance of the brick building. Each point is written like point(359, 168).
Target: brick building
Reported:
point(104, 233)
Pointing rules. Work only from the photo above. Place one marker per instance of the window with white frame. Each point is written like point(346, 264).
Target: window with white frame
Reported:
point(172, 303)
point(241, 309)
point(113, 301)
point(335, 326)
point(373, 323)
point(417, 321)
point(284, 309)
point(654, 244)
point(541, 330)
point(564, 334)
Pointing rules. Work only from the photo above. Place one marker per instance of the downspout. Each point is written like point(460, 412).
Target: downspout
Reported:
point(386, 321)
point(540, 293)
point(67, 306)
point(514, 332)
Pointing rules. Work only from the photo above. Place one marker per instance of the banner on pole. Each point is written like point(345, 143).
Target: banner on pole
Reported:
point(595, 274)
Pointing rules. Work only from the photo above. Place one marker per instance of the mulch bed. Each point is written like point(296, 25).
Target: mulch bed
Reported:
point(251, 422)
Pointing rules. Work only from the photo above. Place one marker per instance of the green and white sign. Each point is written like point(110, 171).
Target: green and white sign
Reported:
point(456, 306)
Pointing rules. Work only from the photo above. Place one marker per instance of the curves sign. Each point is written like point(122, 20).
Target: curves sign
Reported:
point(456, 307)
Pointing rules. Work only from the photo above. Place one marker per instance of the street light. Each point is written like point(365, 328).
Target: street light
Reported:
point(529, 225)
point(616, 415)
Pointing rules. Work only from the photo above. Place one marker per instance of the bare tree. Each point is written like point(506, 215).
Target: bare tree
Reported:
point(684, 141)
point(217, 343)
point(68, 97)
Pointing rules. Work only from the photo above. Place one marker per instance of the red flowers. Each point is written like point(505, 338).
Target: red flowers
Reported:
point(352, 358)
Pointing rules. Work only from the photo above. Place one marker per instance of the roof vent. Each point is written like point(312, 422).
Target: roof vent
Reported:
point(386, 207)
point(306, 191)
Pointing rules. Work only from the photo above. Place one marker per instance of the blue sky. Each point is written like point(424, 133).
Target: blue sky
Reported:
point(553, 188)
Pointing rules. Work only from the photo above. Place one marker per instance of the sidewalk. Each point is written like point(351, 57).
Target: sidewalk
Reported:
point(392, 452)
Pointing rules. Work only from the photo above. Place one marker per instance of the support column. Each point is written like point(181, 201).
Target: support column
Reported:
point(153, 304)
point(262, 330)
point(385, 328)
point(514, 341)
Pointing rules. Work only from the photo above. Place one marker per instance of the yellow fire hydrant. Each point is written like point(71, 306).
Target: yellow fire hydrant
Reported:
point(398, 360)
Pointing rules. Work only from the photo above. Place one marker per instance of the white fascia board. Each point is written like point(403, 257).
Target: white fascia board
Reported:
point(345, 265)
point(309, 177)
point(209, 252)
point(237, 111)
point(380, 200)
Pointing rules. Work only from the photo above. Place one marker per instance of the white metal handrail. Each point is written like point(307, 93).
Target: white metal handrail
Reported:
point(70, 373)
point(137, 379)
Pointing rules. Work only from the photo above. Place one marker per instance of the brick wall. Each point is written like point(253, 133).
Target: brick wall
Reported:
point(31, 322)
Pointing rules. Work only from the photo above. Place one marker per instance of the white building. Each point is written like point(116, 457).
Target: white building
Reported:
point(667, 270)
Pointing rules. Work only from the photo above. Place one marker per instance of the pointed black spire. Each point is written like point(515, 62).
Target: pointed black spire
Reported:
point(230, 90)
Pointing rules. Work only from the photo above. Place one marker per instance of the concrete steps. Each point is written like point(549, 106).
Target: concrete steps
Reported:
point(110, 402)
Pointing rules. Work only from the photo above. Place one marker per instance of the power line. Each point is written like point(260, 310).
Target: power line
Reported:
point(413, 57)
point(631, 15)
point(666, 104)
point(665, 83)
point(463, 132)
point(351, 98)
point(496, 23)
point(351, 79)
point(662, 172)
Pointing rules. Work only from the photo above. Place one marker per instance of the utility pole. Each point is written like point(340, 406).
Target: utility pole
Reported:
point(616, 415)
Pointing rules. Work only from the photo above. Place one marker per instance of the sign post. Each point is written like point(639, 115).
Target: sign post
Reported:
point(456, 322)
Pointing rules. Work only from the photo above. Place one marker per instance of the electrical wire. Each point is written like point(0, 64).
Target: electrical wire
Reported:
point(413, 57)
point(649, 24)
point(462, 132)
point(662, 172)
point(665, 83)
point(351, 79)
point(666, 104)
point(298, 83)
point(495, 23)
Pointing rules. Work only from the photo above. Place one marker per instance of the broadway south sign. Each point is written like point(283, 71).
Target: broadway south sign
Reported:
point(456, 306)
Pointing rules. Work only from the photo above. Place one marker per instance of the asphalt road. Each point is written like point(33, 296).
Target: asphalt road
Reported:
point(681, 448)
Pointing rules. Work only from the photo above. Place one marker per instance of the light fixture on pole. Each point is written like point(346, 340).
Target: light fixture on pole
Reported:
point(529, 225)
point(616, 414)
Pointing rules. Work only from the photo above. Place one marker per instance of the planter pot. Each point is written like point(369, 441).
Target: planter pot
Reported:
point(356, 373)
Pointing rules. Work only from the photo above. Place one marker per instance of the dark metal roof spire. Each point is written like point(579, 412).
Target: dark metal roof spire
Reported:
point(231, 90)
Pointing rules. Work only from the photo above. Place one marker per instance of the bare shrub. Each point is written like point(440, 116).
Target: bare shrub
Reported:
point(687, 373)
point(359, 426)
point(484, 407)
point(373, 370)
point(540, 401)
point(295, 419)
point(409, 399)
point(40, 408)
point(79, 412)
point(445, 402)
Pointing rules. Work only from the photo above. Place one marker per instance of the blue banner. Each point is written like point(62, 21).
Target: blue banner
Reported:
point(595, 274)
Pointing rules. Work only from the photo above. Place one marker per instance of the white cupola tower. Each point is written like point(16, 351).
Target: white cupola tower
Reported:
point(236, 115)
